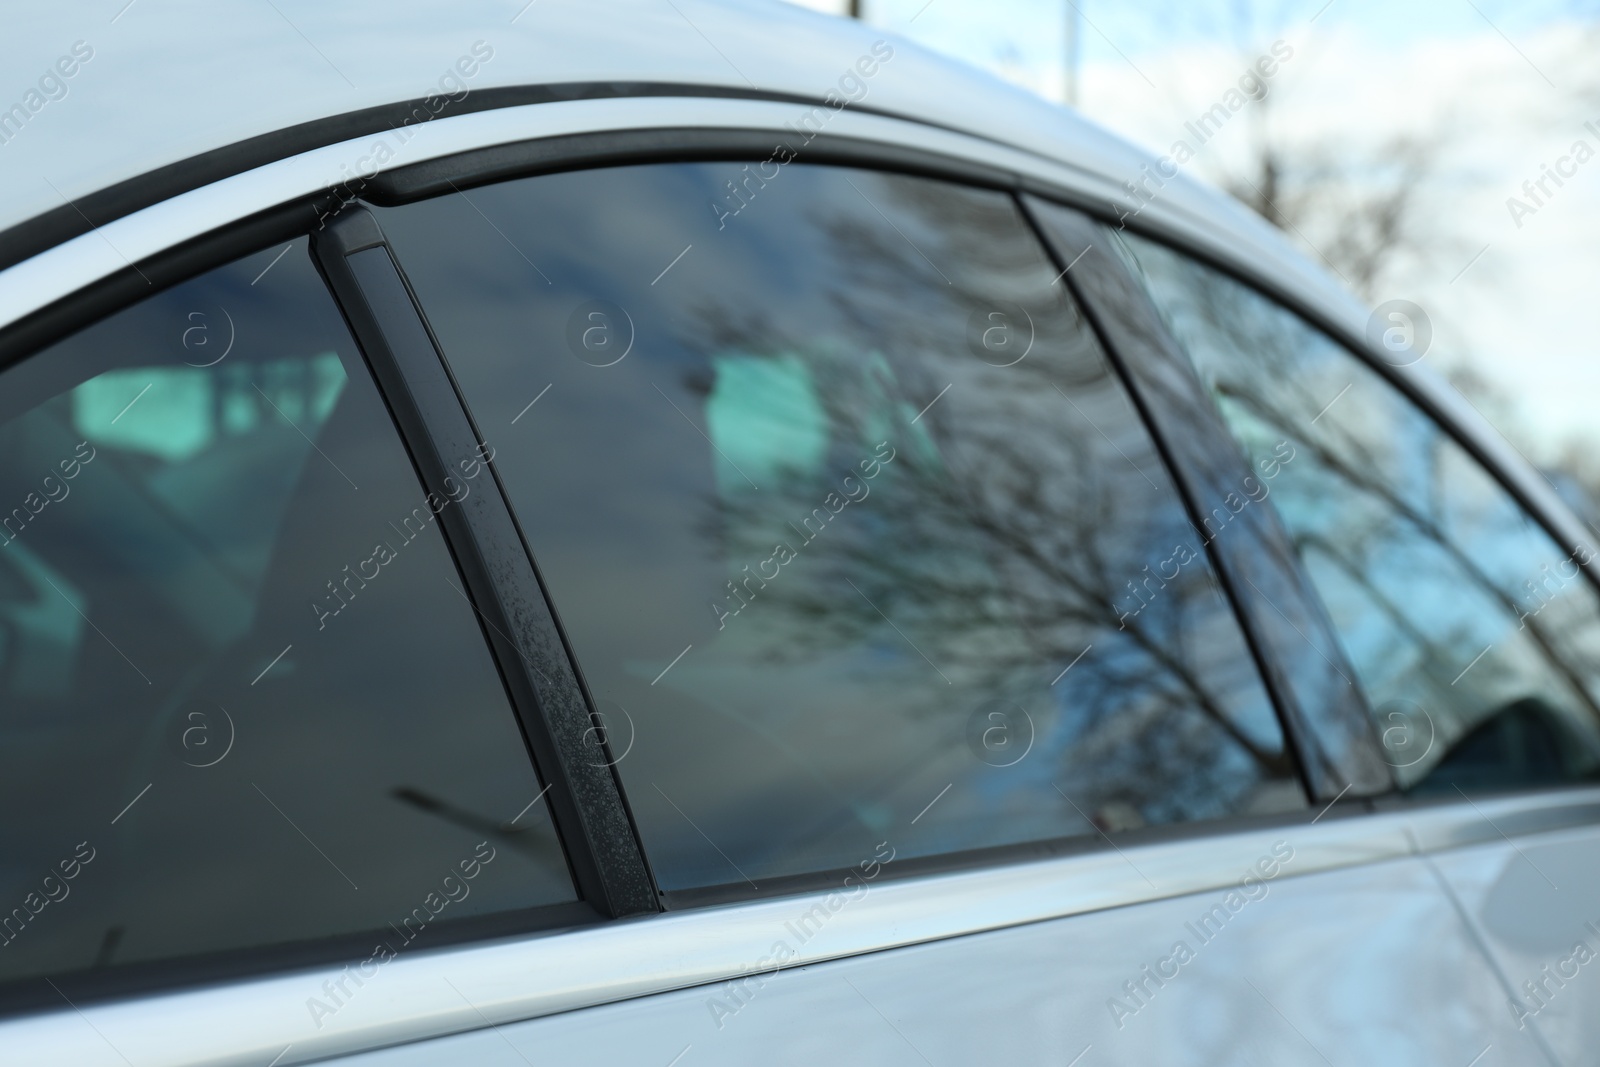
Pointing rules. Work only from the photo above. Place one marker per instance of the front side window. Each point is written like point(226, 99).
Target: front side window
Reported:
point(1476, 638)
point(857, 539)
point(243, 702)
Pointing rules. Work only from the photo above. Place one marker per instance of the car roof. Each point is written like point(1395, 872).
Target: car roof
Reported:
point(164, 83)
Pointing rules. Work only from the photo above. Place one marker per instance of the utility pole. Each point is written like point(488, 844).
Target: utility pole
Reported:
point(1070, 59)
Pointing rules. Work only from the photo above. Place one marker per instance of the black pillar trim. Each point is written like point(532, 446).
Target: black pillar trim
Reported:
point(1324, 712)
point(563, 736)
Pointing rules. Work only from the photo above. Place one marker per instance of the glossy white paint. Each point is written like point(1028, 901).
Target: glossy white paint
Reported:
point(1535, 903)
point(1357, 967)
point(440, 993)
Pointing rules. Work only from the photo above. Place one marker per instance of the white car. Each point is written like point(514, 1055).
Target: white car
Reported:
point(685, 532)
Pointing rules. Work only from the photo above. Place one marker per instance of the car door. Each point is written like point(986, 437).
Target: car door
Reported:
point(965, 755)
point(1472, 629)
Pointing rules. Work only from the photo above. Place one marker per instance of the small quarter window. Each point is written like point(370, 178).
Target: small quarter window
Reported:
point(1476, 637)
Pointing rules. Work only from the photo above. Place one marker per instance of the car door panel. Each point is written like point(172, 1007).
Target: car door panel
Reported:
point(1531, 899)
point(1318, 968)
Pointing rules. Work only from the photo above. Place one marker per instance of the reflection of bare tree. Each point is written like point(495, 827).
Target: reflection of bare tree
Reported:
point(1378, 491)
point(1005, 534)
point(1287, 404)
point(994, 553)
point(1417, 524)
point(1348, 555)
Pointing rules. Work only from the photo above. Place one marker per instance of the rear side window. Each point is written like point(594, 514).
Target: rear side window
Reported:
point(856, 537)
point(242, 700)
point(1476, 637)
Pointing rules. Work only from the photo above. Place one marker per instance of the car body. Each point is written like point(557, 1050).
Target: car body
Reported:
point(1360, 922)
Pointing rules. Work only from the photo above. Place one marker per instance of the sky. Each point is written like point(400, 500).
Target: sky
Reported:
point(1500, 88)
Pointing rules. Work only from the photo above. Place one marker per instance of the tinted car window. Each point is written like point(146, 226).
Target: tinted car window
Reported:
point(1475, 636)
point(242, 701)
point(856, 536)
point(1293, 639)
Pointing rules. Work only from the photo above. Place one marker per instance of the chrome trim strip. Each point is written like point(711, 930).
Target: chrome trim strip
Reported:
point(449, 991)
point(51, 275)
point(41, 280)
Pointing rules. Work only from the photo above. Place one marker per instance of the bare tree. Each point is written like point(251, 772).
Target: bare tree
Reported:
point(1358, 210)
point(1361, 208)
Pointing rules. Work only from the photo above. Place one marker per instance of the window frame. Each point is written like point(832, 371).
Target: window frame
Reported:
point(1550, 512)
point(422, 436)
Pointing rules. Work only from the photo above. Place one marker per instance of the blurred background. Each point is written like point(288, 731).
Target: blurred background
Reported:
point(1393, 147)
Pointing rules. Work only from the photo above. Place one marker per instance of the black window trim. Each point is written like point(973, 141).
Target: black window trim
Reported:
point(108, 295)
point(502, 580)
